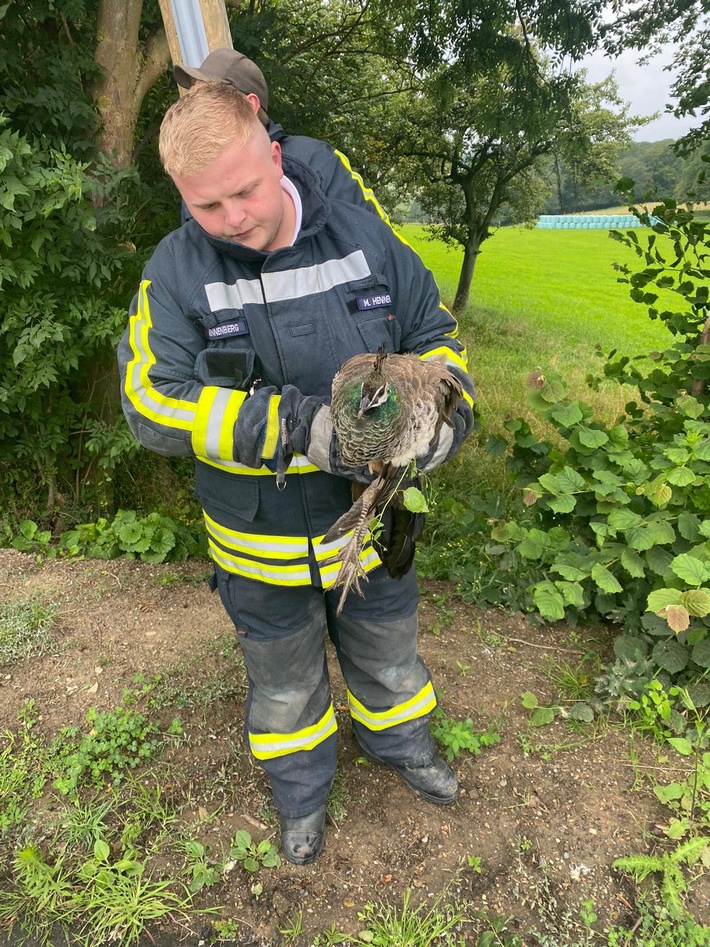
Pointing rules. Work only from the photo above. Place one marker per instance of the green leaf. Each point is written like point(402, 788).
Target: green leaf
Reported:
point(633, 563)
point(582, 711)
point(689, 526)
point(671, 655)
point(570, 572)
point(101, 850)
point(662, 598)
point(529, 548)
point(690, 569)
point(677, 455)
point(701, 450)
point(630, 648)
point(661, 532)
point(541, 716)
point(591, 437)
point(690, 406)
point(567, 415)
point(550, 483)
point(570, 481)
point(414, 500)
point(605, 580)
point(668, 793)
point(659, 560)
point(563, 504)
point(701, 653)
point(572, 592)
point(680, 477)
point(529, 700)
point(548, 601)
point(697, 601)
point(623, 519)
point(681, 745)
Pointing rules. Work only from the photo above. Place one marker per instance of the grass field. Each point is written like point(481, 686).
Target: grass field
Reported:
point(542, 299)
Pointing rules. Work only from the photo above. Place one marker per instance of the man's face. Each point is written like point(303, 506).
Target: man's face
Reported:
point(238, 196)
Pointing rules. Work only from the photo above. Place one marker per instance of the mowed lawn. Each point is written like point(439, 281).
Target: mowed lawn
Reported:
point(543, 299)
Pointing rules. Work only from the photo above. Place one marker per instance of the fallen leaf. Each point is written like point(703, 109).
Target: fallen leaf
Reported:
point(385, 879)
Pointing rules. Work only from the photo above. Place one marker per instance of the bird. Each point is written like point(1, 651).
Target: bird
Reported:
point(387, 411)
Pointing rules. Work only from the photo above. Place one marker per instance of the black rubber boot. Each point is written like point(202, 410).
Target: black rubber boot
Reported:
point(302, 839)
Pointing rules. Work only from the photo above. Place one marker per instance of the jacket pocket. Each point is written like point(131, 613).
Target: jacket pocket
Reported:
point(370, 304)
point(232, 499)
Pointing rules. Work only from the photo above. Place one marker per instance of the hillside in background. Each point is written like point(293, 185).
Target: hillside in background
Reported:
point(655, 168)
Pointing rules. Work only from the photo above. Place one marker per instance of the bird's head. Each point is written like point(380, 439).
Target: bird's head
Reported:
point(374, 392)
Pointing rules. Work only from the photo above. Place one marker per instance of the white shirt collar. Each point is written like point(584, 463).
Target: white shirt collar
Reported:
point(292, 191)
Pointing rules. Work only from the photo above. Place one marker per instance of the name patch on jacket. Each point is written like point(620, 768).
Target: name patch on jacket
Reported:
point(374, 301)
point(227, 330)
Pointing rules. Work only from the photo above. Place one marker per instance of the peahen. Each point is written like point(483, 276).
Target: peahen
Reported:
point(387, 411)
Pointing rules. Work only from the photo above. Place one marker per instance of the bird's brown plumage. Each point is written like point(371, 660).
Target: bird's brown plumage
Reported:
point(387, 411)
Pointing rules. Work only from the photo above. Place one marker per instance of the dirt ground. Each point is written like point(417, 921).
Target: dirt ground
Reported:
point(546, 810)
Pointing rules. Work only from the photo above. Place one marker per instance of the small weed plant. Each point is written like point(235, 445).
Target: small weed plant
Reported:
point(667, 869)
point(153, 538)
point(25, 629)
point(253, 855)
point(458, 736)
point(117, 741)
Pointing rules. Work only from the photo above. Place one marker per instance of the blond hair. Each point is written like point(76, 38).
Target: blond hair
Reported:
point(199, 125)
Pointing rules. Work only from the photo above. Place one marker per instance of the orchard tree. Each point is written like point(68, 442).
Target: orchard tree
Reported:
point(473, 145)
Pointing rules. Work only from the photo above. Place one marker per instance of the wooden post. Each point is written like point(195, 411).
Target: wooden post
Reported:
point(210, 14)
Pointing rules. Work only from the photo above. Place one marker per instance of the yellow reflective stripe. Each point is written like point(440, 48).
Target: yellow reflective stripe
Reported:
point(449, 354)
point(260, 571)
point(419, 705)
point(271, 438)
point(453, 358)
point(261, 545)
point(145, 398)
point(367, 192)
point(299, 465)
point(369, 560)
point(267, 746)
point(217, 411)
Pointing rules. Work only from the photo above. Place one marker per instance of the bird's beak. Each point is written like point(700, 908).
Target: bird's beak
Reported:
point(365, 403)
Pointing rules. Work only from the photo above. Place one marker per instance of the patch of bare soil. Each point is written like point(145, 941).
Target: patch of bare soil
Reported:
point(546, 811)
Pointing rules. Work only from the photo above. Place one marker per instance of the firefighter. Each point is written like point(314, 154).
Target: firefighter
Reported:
point(241, 320)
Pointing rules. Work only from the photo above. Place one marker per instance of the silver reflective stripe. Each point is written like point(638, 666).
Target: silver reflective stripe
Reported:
point(310, 280)
point(215, 420)
point(411, 710)
point(277, 575)
point(267, 745)
point(233, 295)
point(292, 547)
point(289, 284)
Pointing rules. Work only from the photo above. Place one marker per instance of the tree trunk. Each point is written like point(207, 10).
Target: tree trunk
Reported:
point(463, 290)
point(130, 69)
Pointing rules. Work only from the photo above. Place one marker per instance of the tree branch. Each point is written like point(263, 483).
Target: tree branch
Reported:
point(157, 60)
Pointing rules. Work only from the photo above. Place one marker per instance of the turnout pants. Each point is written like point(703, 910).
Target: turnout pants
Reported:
point(290, 722)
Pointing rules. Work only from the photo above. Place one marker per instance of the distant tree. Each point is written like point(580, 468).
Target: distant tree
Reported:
point(471, 146)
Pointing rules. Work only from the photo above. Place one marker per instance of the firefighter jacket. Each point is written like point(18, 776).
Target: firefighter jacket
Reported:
point(214, 320)
point(337, 178)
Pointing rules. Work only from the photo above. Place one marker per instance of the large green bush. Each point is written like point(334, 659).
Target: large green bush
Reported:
point(623, 510)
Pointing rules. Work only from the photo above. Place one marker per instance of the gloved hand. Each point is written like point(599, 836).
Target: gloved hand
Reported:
point(449, 439)
point(323, 448)
point(272, 426)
